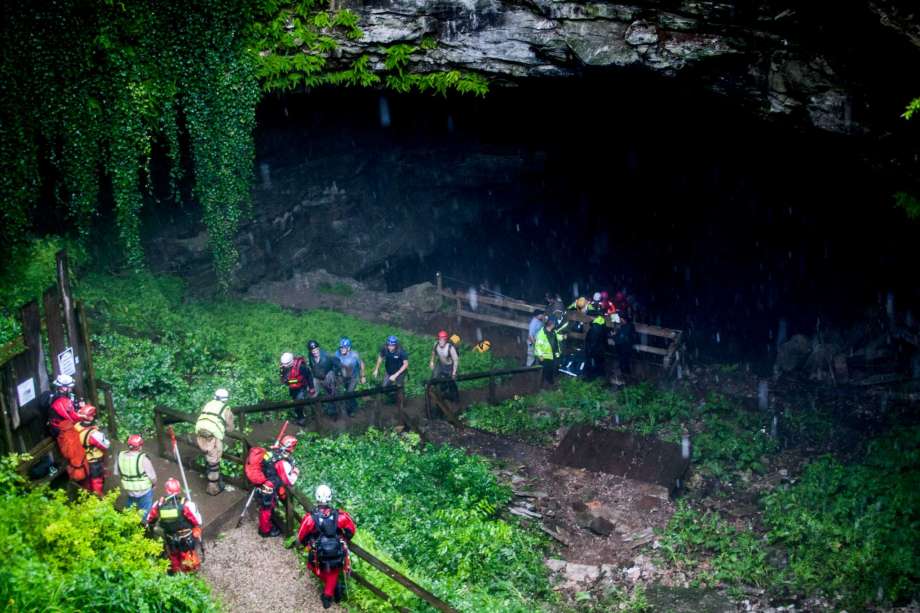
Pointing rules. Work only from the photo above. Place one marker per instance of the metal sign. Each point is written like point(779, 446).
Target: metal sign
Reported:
point(66, 364)
point(26, 391)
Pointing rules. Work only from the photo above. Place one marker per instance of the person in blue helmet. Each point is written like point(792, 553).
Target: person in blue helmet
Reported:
point(351, 372)
point(396, 365)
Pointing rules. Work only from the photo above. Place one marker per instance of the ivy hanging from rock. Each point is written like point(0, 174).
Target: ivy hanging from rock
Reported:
point(91, 85)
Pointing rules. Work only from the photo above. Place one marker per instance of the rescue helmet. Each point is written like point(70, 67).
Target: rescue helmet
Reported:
point(604, 295)
point(221, 394)
point(63, 381)
point(323, 494)
point(135, 441)
point(483, 347)
point(289, 443)
point(392, 340)
point(287, 358)
point(455, 339)
point(442, 334)
point(312, 345)
point(87, 412)
point(345, 343)
point(596, 297)
point(581, 302)
point(172, 486)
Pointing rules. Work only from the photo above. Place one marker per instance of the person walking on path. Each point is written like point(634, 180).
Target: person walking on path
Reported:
point(296, 375)
point(214, 421)
point(280, 474)
point(326, 531)
point(138, 477)
point(444, 363)
point(396, 365)
point(535, 325)
point(181, 523)
point(95, 445)
point(352, 372)
point(325, 369)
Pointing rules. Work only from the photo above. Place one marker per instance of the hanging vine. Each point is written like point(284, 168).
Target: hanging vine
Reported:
point(89, 86)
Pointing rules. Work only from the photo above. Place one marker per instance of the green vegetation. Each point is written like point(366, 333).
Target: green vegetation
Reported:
point(157, 348)
point(82, 556)
point(91, 90)
point(537, 416)
point(338, 288)
point(850, 532)
point(724, 438)
point(433, 510)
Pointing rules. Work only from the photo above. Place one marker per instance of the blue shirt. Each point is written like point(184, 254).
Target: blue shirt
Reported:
point(535, 325)
point(351, 364)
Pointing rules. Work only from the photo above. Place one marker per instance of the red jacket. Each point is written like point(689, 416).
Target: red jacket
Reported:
point(63, 409)
point(346, 524)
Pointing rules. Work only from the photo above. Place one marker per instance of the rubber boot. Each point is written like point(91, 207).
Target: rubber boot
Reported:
point(215, 483)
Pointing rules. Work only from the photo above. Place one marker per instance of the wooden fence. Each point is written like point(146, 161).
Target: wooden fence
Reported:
point(165, 416)
point(662, 345)
point(23, 373)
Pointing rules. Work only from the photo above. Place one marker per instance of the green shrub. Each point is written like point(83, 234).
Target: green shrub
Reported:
point(85, 555)
point(31, 269)
point(534, 417)
point(432, 509)
point(157, 348)
point(714, 551)
point(855, 530)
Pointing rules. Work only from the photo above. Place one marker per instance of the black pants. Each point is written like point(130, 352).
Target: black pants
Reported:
point(594, 366)
point(449, 387)
point(549, 371)
point(624, 357)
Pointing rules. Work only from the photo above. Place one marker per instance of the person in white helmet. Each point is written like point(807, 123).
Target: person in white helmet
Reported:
point(296, 374)
point(325, 531)
point(214, 421)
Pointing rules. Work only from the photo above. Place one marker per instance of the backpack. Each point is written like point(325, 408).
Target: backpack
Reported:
point(253, 466)
point(72, 449)
point(328, 549)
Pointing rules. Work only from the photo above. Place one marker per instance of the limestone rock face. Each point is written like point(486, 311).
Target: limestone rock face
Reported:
point(765, 53)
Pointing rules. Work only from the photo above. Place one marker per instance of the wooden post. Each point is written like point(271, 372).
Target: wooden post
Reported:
point(54, 326)
point(87, 353)
point(492, 396)
point(110, 409)
point(439, 281)
point(288, 515)
point(70, 321)
point(7, 430)
point(161, 434)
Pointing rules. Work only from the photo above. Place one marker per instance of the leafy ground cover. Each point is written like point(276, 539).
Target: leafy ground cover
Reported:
point(724, 438)
point(156, 347)
point(851, 533)
point(82, 556)
point(431, 509)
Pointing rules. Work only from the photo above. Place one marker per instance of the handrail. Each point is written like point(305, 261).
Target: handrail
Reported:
point(265, 407)
point(173, 415)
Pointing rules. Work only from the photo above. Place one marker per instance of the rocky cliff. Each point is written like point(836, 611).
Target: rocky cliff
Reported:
point(816, 63)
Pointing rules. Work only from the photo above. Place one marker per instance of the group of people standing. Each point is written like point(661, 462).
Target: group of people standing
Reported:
point(343, 370)
point(608, 319)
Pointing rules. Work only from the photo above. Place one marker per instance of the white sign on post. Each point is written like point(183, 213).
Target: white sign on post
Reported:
point(26, 391)
point(66, 362)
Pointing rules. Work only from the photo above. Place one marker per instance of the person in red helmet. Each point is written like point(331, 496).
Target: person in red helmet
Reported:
point(138, 476)
point(325, 531)
point(181, 523)
point(280, 473)
point(444, 362)
point(95, 444)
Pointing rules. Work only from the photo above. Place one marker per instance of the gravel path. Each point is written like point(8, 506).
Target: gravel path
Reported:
point(249, 573)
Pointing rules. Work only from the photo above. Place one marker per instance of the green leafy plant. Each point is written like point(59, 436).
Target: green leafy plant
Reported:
point(433, 510)
point(83, 555)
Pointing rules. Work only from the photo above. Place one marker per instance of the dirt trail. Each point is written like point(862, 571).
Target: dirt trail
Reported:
point(250, 573)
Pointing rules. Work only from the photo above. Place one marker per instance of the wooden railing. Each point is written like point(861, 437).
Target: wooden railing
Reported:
point(165, 416)
point(433, 397)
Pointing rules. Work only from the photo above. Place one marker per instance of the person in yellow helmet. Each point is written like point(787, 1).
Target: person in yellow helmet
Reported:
point(483, 347)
